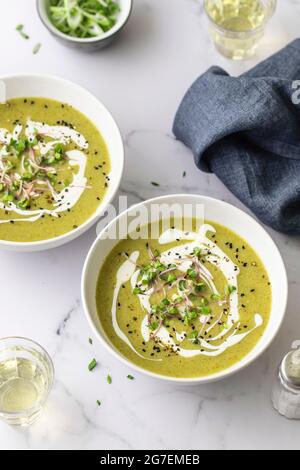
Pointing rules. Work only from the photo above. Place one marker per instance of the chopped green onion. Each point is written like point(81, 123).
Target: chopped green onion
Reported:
point(36, 48)
point(92, 364)
point(84, 18)
point(109, 379)
point(20, 29)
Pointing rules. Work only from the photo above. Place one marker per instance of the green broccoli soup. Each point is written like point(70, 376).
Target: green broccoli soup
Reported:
point(54, 169)
point(188, 304)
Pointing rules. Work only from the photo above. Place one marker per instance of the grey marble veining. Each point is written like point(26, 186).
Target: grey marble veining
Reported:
point(141, 79)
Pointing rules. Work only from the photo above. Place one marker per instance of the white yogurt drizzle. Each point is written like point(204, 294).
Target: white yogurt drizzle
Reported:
point(68, 197)
point(213, 255)
point(125, 273)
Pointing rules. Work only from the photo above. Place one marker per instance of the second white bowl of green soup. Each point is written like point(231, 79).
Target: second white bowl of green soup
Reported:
point(190, 299)
point(61, 161)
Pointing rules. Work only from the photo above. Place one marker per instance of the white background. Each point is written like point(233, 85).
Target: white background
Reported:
point(141, 79)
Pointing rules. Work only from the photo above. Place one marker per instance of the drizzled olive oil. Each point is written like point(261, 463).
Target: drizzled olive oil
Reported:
point(238, 25)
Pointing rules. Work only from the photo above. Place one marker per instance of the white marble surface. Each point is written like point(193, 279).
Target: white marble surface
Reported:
point(141, 79)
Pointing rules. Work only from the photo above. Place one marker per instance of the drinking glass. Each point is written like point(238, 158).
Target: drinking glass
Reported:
point(237, 26)
point(26, 379)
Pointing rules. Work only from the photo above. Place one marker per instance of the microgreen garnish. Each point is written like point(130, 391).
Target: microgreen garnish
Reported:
point(92, 365)
point(84, 18)
point(180, 293)
point(197, 252)
point(28, 172)
point(137, 291)
point(215, 297)
point(191, 273)
point(193, 337)
point(153, 326)
point(230, 289)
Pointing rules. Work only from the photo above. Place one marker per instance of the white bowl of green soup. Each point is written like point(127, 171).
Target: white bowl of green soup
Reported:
point(61, 161)
point(190, 298)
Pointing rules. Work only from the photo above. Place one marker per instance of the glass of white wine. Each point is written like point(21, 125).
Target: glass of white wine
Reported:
point(26, 379)
point(237, 26)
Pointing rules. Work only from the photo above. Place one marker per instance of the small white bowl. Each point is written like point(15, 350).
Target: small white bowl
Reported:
point(219, 212)
point(86, 44)
point(46, 86)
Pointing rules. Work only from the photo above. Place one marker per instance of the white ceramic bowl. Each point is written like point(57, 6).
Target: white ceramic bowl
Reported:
point(222, 213)
point(45, 86)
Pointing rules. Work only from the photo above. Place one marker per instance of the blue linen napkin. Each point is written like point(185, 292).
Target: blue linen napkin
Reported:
point(246, 130)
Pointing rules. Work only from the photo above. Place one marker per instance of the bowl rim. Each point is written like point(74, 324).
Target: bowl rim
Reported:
point(111, 32)
point(235, 368)
point(81, 229)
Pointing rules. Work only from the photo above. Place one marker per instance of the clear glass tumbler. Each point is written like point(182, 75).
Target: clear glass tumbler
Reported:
point(237, 26)
point(26, 379)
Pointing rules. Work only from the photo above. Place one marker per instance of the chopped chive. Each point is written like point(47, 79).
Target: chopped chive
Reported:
point(98, 402)
point(184, 174)
point(109, 379)
point(130, 377)
point(92, 364)
point(36, 48)
point(19, 28)
point(90, 341)
point(154, 183)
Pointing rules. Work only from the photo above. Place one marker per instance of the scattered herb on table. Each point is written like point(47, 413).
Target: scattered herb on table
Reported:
point(20, 29)
point(37, 48)
point(90, 341)
point(98, 402)
point(184, 174)
point(92, 364)
point(130, 377)
point(154, 183)
point(84, 18)
point(109, 379)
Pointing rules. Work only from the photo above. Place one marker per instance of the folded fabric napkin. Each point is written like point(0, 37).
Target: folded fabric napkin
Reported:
point(246, 130)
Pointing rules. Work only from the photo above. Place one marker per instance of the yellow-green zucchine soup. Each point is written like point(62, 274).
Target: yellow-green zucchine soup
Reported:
point(185, 305)
point(54, 169)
